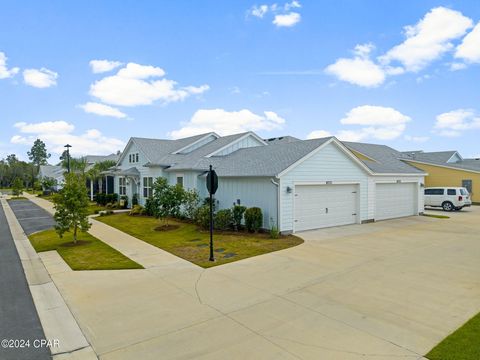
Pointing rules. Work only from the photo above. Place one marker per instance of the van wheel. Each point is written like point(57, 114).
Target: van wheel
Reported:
point(447, 206)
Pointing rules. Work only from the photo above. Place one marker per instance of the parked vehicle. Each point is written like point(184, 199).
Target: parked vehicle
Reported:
point(448, 198)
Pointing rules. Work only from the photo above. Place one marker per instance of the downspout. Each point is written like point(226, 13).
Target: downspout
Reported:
point(278, 201)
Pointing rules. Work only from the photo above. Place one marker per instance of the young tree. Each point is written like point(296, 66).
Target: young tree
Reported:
point(71, 206)
point(167, 199)
point(17, 187)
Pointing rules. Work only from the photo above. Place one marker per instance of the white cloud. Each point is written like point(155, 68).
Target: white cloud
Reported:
point(429, 39)
point(228, 122)
point(453, 123)
point(258, 11)
point(469, 49)
point(376, 122)
point(57, 127)
point(287, 20)
point(457, 66)
point(425, 42)
point(283, 16)
point(100, 66)
point(417, 139)
point(317, 134)
point(360, 70)
point(102, 110)
point(5, 72)
point(56, 134)
point(40, 78)
point(137, 84)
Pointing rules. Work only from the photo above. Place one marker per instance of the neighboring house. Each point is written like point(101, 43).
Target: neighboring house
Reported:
point(447, 168)
point(298, 184)
point(56, 172)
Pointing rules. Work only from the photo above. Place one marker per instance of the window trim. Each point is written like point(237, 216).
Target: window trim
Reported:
point(147, 186)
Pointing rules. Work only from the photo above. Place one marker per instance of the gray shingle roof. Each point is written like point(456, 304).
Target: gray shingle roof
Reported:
point(441, 158)
point(93, 159)
point(52, 171)
point(263, 160)
point(387, 160)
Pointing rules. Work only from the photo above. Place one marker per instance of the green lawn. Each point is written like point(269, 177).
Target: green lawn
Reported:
point(192, 244)
point(89, 254)
point(94, 207)
point(463, 344)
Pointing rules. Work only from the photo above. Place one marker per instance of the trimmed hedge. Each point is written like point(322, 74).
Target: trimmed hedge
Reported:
point(253, 219)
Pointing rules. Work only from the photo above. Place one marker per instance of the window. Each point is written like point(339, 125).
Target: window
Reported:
point(451, 192)
point(147, 187)
point(136, 157)
point(463, 192)
point(180, 180)
point(122, 186)
point(434, 191)
point(130, 158)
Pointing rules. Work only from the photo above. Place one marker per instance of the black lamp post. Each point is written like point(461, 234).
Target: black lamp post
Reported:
point(68, 146)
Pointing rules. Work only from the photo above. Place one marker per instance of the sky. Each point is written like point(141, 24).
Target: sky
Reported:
point(95, 73)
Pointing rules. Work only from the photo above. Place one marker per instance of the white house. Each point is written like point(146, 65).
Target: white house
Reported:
point(298, 184)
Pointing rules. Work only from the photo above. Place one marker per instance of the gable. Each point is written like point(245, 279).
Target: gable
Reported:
point(455, 158)
point(197, 144)
point(247, 141)
point(131, 151)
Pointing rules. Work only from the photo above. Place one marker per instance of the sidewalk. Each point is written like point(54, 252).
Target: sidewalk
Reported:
point(139, 251)
point(57, 321)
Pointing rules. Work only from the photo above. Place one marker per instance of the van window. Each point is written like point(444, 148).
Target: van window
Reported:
point(451, 192)
point(463, 192)
point(434, 191)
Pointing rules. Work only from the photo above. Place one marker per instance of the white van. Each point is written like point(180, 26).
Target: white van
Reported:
point(448, 198)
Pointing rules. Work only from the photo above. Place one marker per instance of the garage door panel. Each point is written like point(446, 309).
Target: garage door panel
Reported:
point(395, 200)
point(318, 206)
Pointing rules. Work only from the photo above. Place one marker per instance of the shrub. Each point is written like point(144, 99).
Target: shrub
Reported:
point(100, 199)
point(168, 199)
point(109, 205)
point(202, 217)
point(274, 232)
point(135, 199)
point(149, 207)
point(191, 202)
point(96, 212)
point(17, 187)
point(136, 210)
point(253, 219)
point(106, 212)
point(237, 215)
point(223, 219)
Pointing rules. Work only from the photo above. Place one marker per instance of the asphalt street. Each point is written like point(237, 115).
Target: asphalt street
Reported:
point(31, 217)
point(19, 320)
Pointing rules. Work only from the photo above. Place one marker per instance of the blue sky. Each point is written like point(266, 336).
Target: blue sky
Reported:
point(404, 74)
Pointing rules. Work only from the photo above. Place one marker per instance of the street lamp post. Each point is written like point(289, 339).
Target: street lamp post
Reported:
point(68, 146)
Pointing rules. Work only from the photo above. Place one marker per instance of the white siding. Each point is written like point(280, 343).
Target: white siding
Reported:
point(328, 164)
point(260, 192)
point(247, 142)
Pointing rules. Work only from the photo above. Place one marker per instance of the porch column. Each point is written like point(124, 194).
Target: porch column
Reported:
point(91, 190)
point(106, 184)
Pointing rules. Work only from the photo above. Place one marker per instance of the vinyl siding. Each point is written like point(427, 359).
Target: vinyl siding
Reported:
point(260, 192)
point(440, 176)
point(328, 164)
point(247, 142)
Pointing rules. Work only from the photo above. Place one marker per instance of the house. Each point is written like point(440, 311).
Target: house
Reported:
point(56, 172)
point(298, 184)
point(447, 168)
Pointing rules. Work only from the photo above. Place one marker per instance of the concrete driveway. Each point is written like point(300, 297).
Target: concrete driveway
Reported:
point(386, 290)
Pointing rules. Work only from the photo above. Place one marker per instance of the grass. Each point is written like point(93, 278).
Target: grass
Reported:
point(463, 344)
point(89, 254)
point(17, 198)
point(190, 243)
point(95, 208)
point(437, 216)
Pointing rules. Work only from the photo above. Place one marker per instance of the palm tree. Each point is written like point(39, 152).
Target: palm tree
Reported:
point(102, 166)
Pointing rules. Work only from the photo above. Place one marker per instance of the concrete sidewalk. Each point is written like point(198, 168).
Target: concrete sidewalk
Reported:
point(57, 321)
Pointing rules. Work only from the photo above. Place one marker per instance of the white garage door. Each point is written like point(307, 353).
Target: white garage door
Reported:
point(395, 200)
point(319, 206)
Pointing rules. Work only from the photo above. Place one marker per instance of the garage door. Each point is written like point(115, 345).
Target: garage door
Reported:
point(319, 206)
point(395, 200)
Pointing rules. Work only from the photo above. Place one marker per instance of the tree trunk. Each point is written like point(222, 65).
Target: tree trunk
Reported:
point(75, 233)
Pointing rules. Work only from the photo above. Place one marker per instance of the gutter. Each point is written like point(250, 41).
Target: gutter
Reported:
point(278, 201)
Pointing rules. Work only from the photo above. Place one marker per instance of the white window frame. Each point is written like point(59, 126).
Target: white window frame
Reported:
point(180, 176)
point(122, 186)
point(148, 186)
